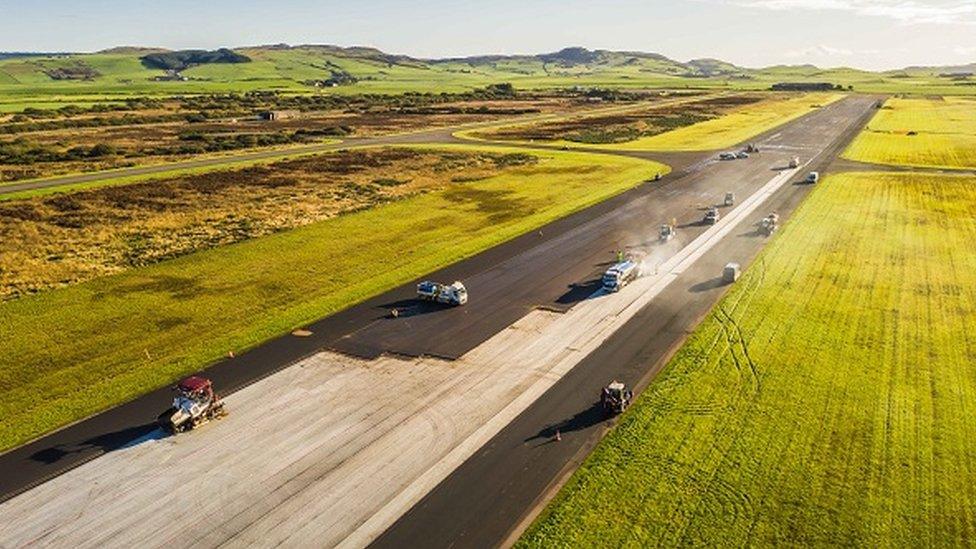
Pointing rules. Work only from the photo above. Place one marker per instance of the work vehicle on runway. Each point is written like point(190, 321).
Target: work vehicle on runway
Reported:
point(752, 148)
point(615, 398)
point(742, 155)
point(454, 294)
point(666, 232)
point(769, 224)
point(795, 162)
point(729, 199)
point(731, 272)
point(620, 275)
point(726, 156)
point(195, 404)
point(711, 216)
point(813, 177)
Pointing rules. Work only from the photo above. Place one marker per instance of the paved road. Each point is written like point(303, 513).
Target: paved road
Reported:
point(552, 254)
point(482, 502)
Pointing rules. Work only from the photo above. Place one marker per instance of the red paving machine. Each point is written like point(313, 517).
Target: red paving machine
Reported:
point(195, 403)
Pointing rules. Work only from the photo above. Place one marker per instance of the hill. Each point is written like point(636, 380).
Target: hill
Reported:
point(40, 79)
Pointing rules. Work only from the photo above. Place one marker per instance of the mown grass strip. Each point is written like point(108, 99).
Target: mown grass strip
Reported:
point(925, 132)
point(827, 400)
point(71, 352)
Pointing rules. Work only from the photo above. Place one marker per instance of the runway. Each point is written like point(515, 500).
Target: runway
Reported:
point(352, 401)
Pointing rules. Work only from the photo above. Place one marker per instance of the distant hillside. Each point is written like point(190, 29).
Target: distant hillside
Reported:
point(184, 59)
point(281, 67)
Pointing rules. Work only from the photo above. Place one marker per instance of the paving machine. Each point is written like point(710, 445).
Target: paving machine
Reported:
point(769, 224)
point(666, 232)
point(711, 216)
point(195, 403)
point(615, 398)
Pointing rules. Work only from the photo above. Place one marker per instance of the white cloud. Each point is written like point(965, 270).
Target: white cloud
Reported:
point(905, 11)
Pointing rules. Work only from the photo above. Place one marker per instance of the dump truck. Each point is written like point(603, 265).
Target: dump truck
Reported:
point(729, 199)
point(666, 232)
point(795, 162)
point(615, 398)
point(620, 275)
point(453, 294)
point(769, 224)
point(195, 403)
point(731, 272)
point(711, 216)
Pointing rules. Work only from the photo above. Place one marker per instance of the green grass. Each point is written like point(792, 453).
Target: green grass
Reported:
point(827, 401)
point(24, 83)
point(724, 131)
point(733, 128)
point(71, 352)
point(945, 128)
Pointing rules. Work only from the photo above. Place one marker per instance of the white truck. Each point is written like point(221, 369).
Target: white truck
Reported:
point(620, 275)
point(813, 177)
point(454, 294)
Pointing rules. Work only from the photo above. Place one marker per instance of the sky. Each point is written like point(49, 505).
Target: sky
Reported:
point(870, 34)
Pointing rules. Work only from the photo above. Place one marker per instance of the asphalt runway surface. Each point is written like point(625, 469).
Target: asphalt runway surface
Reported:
point(550, 269)
point(486, 501)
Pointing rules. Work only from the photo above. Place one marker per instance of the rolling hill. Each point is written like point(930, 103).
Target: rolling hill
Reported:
point(39, 79)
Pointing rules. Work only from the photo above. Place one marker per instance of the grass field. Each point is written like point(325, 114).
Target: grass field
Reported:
point(71, 352)
point(945, 131)
point(724, 131)
point(733, 128)
point(827, 400)
point(55, 241)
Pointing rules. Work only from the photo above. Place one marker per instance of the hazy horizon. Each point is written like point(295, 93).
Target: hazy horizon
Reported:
point(865, 34)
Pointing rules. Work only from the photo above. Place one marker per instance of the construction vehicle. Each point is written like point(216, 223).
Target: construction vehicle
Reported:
point(729, 199)
point(731, 272)
point(195, 404)
point(726, 156)
point(666, 232)
point(769, 224)
point(752, 148)
point(742, 155)
point(711, 216)
point(454, 294)
point(813, 177)
point(615, 398)
point(621, 274)
point(795, 162)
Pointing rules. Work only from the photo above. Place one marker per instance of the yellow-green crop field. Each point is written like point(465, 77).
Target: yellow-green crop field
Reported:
point(732, 128)
point(70, 352)
point(944, 134)
point(828, 400)
point(724, 131)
